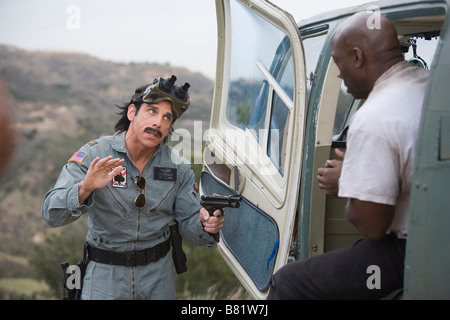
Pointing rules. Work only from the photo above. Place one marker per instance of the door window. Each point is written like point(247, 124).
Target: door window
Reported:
point(261, 81)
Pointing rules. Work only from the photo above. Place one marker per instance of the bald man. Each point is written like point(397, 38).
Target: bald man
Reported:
point(376, 170)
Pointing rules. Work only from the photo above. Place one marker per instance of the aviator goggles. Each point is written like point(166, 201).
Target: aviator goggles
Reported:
point(166, 89)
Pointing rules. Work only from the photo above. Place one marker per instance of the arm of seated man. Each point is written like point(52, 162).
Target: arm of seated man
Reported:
point(370, 218)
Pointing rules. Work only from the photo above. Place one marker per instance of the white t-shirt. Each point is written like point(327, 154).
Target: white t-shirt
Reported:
point(381, 143)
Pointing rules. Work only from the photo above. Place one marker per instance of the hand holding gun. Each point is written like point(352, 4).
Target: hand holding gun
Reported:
point(217, 202)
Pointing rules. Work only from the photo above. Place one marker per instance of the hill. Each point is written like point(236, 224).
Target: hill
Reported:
point(60, 102)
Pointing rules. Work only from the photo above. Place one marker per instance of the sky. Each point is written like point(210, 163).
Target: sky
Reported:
point(178, 32)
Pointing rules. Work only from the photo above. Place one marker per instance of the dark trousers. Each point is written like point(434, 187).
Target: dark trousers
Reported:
point(348, 273)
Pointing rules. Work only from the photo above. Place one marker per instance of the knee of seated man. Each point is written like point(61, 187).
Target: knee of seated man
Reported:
point(285, 282)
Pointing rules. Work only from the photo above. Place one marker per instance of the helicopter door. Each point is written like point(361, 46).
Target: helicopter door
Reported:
point(427, 261)
point(255, 139)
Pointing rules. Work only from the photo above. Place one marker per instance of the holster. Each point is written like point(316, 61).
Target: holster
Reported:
point(75, 293)
point(178, 255)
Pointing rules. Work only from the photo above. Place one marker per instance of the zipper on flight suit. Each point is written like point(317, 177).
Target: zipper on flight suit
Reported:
point(138, 233)
point(139, 219)
point(134, 249)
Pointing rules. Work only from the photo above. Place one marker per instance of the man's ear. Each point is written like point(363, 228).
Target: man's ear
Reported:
point(131, 112)
point(358, 57)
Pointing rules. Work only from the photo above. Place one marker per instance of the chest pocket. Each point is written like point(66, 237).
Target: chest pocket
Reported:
point(162, 196)
point(113, 198)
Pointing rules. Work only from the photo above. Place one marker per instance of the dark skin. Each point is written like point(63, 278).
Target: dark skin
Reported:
point(329, 175)
point(362, 56)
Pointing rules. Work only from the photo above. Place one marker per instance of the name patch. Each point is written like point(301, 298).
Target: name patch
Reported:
point(165, 174)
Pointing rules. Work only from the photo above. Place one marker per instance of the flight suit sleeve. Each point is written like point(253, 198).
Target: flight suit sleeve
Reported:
point(187, 209)
point(60, 205)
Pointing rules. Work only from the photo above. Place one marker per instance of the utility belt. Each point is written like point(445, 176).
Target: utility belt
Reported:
point(129, 258)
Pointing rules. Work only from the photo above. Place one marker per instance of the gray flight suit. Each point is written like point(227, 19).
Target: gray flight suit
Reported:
point(115, 223)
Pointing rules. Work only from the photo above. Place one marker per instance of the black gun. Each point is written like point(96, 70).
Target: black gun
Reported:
point(215, 202)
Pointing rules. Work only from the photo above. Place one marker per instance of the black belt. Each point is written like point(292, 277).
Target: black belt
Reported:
point(129, 258)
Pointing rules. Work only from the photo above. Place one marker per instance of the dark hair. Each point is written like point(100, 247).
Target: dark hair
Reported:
point(123, 124)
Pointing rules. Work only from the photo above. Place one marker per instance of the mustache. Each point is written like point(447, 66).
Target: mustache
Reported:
point(153, 131)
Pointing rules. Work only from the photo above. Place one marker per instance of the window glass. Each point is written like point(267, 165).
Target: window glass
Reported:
point(261, 63)
point(313, 45)
point(253, 40)
point(345, 101)
point(278, 122)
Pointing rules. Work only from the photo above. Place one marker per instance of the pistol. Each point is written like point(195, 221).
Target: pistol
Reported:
point(216, 201)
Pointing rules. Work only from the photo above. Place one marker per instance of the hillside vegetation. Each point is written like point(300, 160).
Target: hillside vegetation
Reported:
point(60, 102)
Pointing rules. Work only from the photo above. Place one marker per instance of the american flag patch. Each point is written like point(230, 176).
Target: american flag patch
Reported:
point(78, 156)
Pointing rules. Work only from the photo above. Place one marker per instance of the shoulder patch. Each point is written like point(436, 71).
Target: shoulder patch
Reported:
point(78, 156)
point(92, 142)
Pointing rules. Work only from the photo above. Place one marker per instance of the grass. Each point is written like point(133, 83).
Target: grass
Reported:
point(22, 288)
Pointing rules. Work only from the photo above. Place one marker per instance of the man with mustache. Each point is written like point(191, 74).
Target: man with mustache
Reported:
point(132, 185)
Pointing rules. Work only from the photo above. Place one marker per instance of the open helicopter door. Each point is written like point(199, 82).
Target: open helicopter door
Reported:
point(255, 141)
